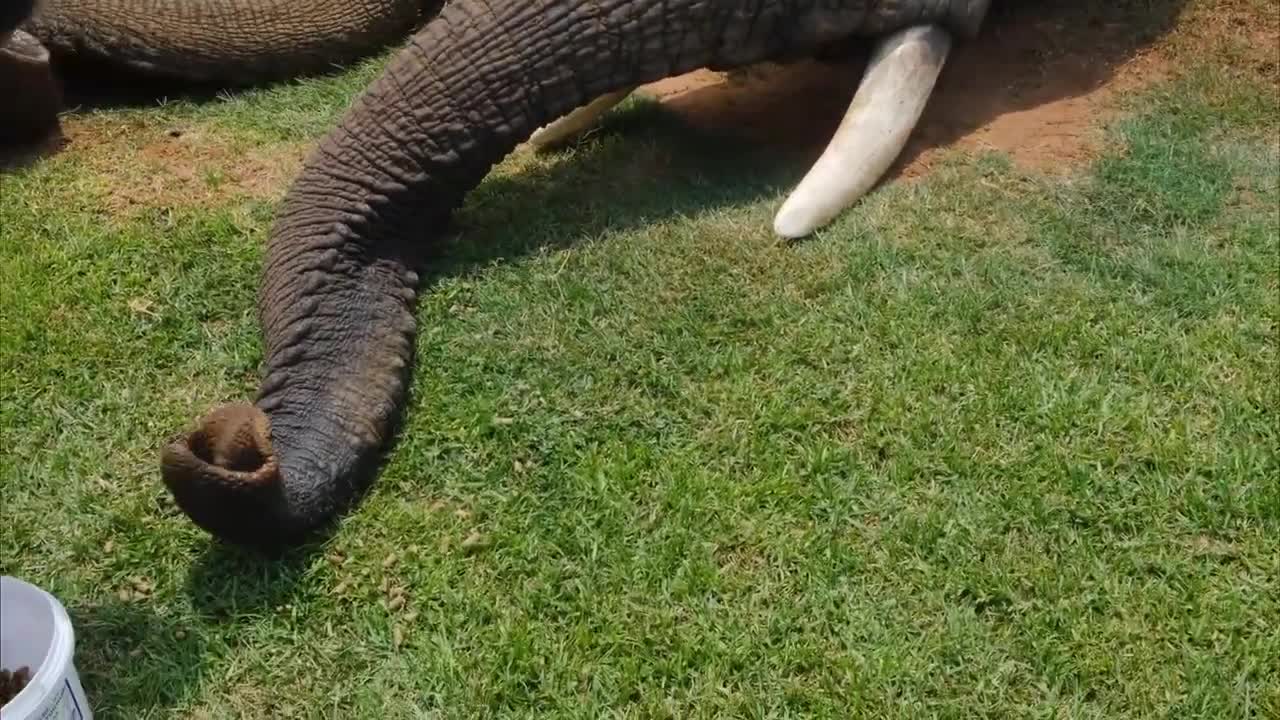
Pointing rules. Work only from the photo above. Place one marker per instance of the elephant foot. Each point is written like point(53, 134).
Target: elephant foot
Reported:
point(29, 116)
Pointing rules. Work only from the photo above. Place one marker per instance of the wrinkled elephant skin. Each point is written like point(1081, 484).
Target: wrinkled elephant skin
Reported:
point(230, 42)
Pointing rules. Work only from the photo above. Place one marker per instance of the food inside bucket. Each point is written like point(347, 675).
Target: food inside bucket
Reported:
point(11, 683)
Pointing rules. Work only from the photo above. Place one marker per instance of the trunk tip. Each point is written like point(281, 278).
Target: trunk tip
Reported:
point(225, 476)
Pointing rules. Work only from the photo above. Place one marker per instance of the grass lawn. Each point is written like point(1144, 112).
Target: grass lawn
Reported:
point(995, 444)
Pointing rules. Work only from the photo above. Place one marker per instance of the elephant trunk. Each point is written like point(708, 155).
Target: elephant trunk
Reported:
point(232, 42)
point(340, 279)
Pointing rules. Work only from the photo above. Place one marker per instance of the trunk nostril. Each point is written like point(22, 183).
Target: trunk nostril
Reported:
point(233, 437)
point(198, 444)
point(237, 454)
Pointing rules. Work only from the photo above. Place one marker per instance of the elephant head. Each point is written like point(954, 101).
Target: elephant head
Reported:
point(341, 275)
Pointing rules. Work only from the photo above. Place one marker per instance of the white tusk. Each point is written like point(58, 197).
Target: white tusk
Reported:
point(559, 132)
point(899, 79)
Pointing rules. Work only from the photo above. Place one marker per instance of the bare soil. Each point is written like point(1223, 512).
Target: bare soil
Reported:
point(151, 166)
point(1037, 86)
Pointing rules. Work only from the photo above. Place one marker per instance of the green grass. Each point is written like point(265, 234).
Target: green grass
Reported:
point(993, 445)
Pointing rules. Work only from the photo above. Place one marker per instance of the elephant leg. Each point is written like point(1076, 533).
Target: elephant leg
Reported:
point(877, 125)
point(33, 97)
point(225, 42)
point(564, 130)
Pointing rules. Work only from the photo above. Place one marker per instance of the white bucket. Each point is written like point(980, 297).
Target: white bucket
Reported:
point(35, 631)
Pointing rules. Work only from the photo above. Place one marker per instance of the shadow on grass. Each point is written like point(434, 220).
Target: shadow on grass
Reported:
point(648, 165)
point(1036, 54)
point(92, 84)
point(133, 659)
point(225, 581)
point(136, 657)
point(139, 656)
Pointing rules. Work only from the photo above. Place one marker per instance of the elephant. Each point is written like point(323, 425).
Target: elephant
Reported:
point(349, 241)
point(25, 74)
point(228, 43)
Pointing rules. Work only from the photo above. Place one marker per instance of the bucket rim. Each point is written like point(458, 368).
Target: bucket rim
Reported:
point(58, 659)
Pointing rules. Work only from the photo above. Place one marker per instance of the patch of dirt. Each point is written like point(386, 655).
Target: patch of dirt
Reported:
point(1243, 34)
point(1036, 86)
point(1210, 547)
point(148, 166)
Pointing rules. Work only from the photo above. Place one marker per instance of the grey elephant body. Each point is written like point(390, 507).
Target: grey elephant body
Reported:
point(337, 296)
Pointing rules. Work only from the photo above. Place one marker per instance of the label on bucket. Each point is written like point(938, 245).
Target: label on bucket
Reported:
point(66, 707)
